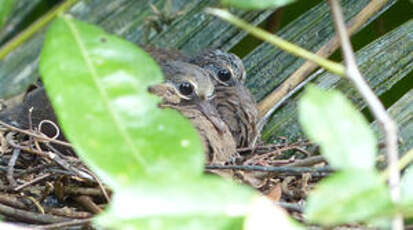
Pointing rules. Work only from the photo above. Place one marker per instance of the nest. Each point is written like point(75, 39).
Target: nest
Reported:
point(45, 185)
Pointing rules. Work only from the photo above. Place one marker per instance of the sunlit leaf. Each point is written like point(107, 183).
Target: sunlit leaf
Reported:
point(97, 84)
point(5, 9)
point(343, 134)
point(407, 192)
point(348, 196)
point(210, 203)
point(264, 215)
point(256, 4)
point(151, 157)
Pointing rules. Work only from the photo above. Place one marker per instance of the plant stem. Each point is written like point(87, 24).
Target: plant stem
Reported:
point(403, 163)
point(331, 66)
point(34, 28)
point(379, 112)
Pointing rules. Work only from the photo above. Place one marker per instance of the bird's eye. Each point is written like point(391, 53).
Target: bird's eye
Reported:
point(186, 88)
point(224, 75)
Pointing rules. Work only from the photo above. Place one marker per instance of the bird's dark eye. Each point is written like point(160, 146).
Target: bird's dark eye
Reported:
point(224, 75)
point(186, 88)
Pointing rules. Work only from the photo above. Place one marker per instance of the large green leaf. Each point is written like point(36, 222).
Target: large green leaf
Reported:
point(206, 204)
point(407, 192)
point(257, 4)
point(210, 203)
point(264, 215)
point(97, 84)
point(348, 196)
point(152, 158)
point(343, 134)
point(5, 9)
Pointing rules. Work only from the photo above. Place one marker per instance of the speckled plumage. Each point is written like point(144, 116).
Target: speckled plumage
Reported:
point(233, 101)
point(218, 142)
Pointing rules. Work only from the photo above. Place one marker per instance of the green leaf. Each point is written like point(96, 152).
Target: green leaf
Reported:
point(407, 192)
point(97, 84)
point(152, 158)
point(207, 204)
point(210, 203)
point(257, 4)
point(343, 134)
point(348, 196)
point(5, 8)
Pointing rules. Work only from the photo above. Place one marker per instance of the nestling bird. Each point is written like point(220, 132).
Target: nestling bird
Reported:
point(162, 55)
point(188, 89)
point(233, 101)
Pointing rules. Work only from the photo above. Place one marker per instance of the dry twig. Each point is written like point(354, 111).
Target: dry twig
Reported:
point(281, 170)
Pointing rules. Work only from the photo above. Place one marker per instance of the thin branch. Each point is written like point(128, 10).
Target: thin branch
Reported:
point(10, 171)
point(65, 224)
point(283, 169)
point(406, 159)
point(43, 138)
point(307, 161)
point(29, 216)
point(34, 181)
point(379, 112)
point(52, 156)
point(331, 66)
point(268, 111)
point(271, 102)
point(34, 28)
point(403, 163)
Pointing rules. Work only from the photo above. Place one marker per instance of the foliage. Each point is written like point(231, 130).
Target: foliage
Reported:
point(105, 91)
point(98, 86)
point(5, 9)
point(347, 197)
point(345, 138)
point(356, 193)
point(97, 83)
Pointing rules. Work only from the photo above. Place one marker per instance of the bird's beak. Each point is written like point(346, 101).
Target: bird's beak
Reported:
point(212, 115)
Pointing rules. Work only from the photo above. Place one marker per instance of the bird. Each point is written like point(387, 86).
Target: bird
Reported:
point(162, 55)
point(188, 89)
point(234, 102)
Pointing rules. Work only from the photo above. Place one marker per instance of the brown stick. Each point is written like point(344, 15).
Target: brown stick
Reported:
point(34, 181)
point(308, 67)
point(30, 217)
point(307, 161)
point(88, 204)
point(66, 224)
point(43, 138)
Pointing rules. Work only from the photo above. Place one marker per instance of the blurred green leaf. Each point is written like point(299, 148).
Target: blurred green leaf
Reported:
point(407, 192)
point(256, 4)
point(152, 158)
point(98, 86)
point(210, 203)
point(264, 215)
point(348, 196)
point(5, 9)
point(343, 134)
